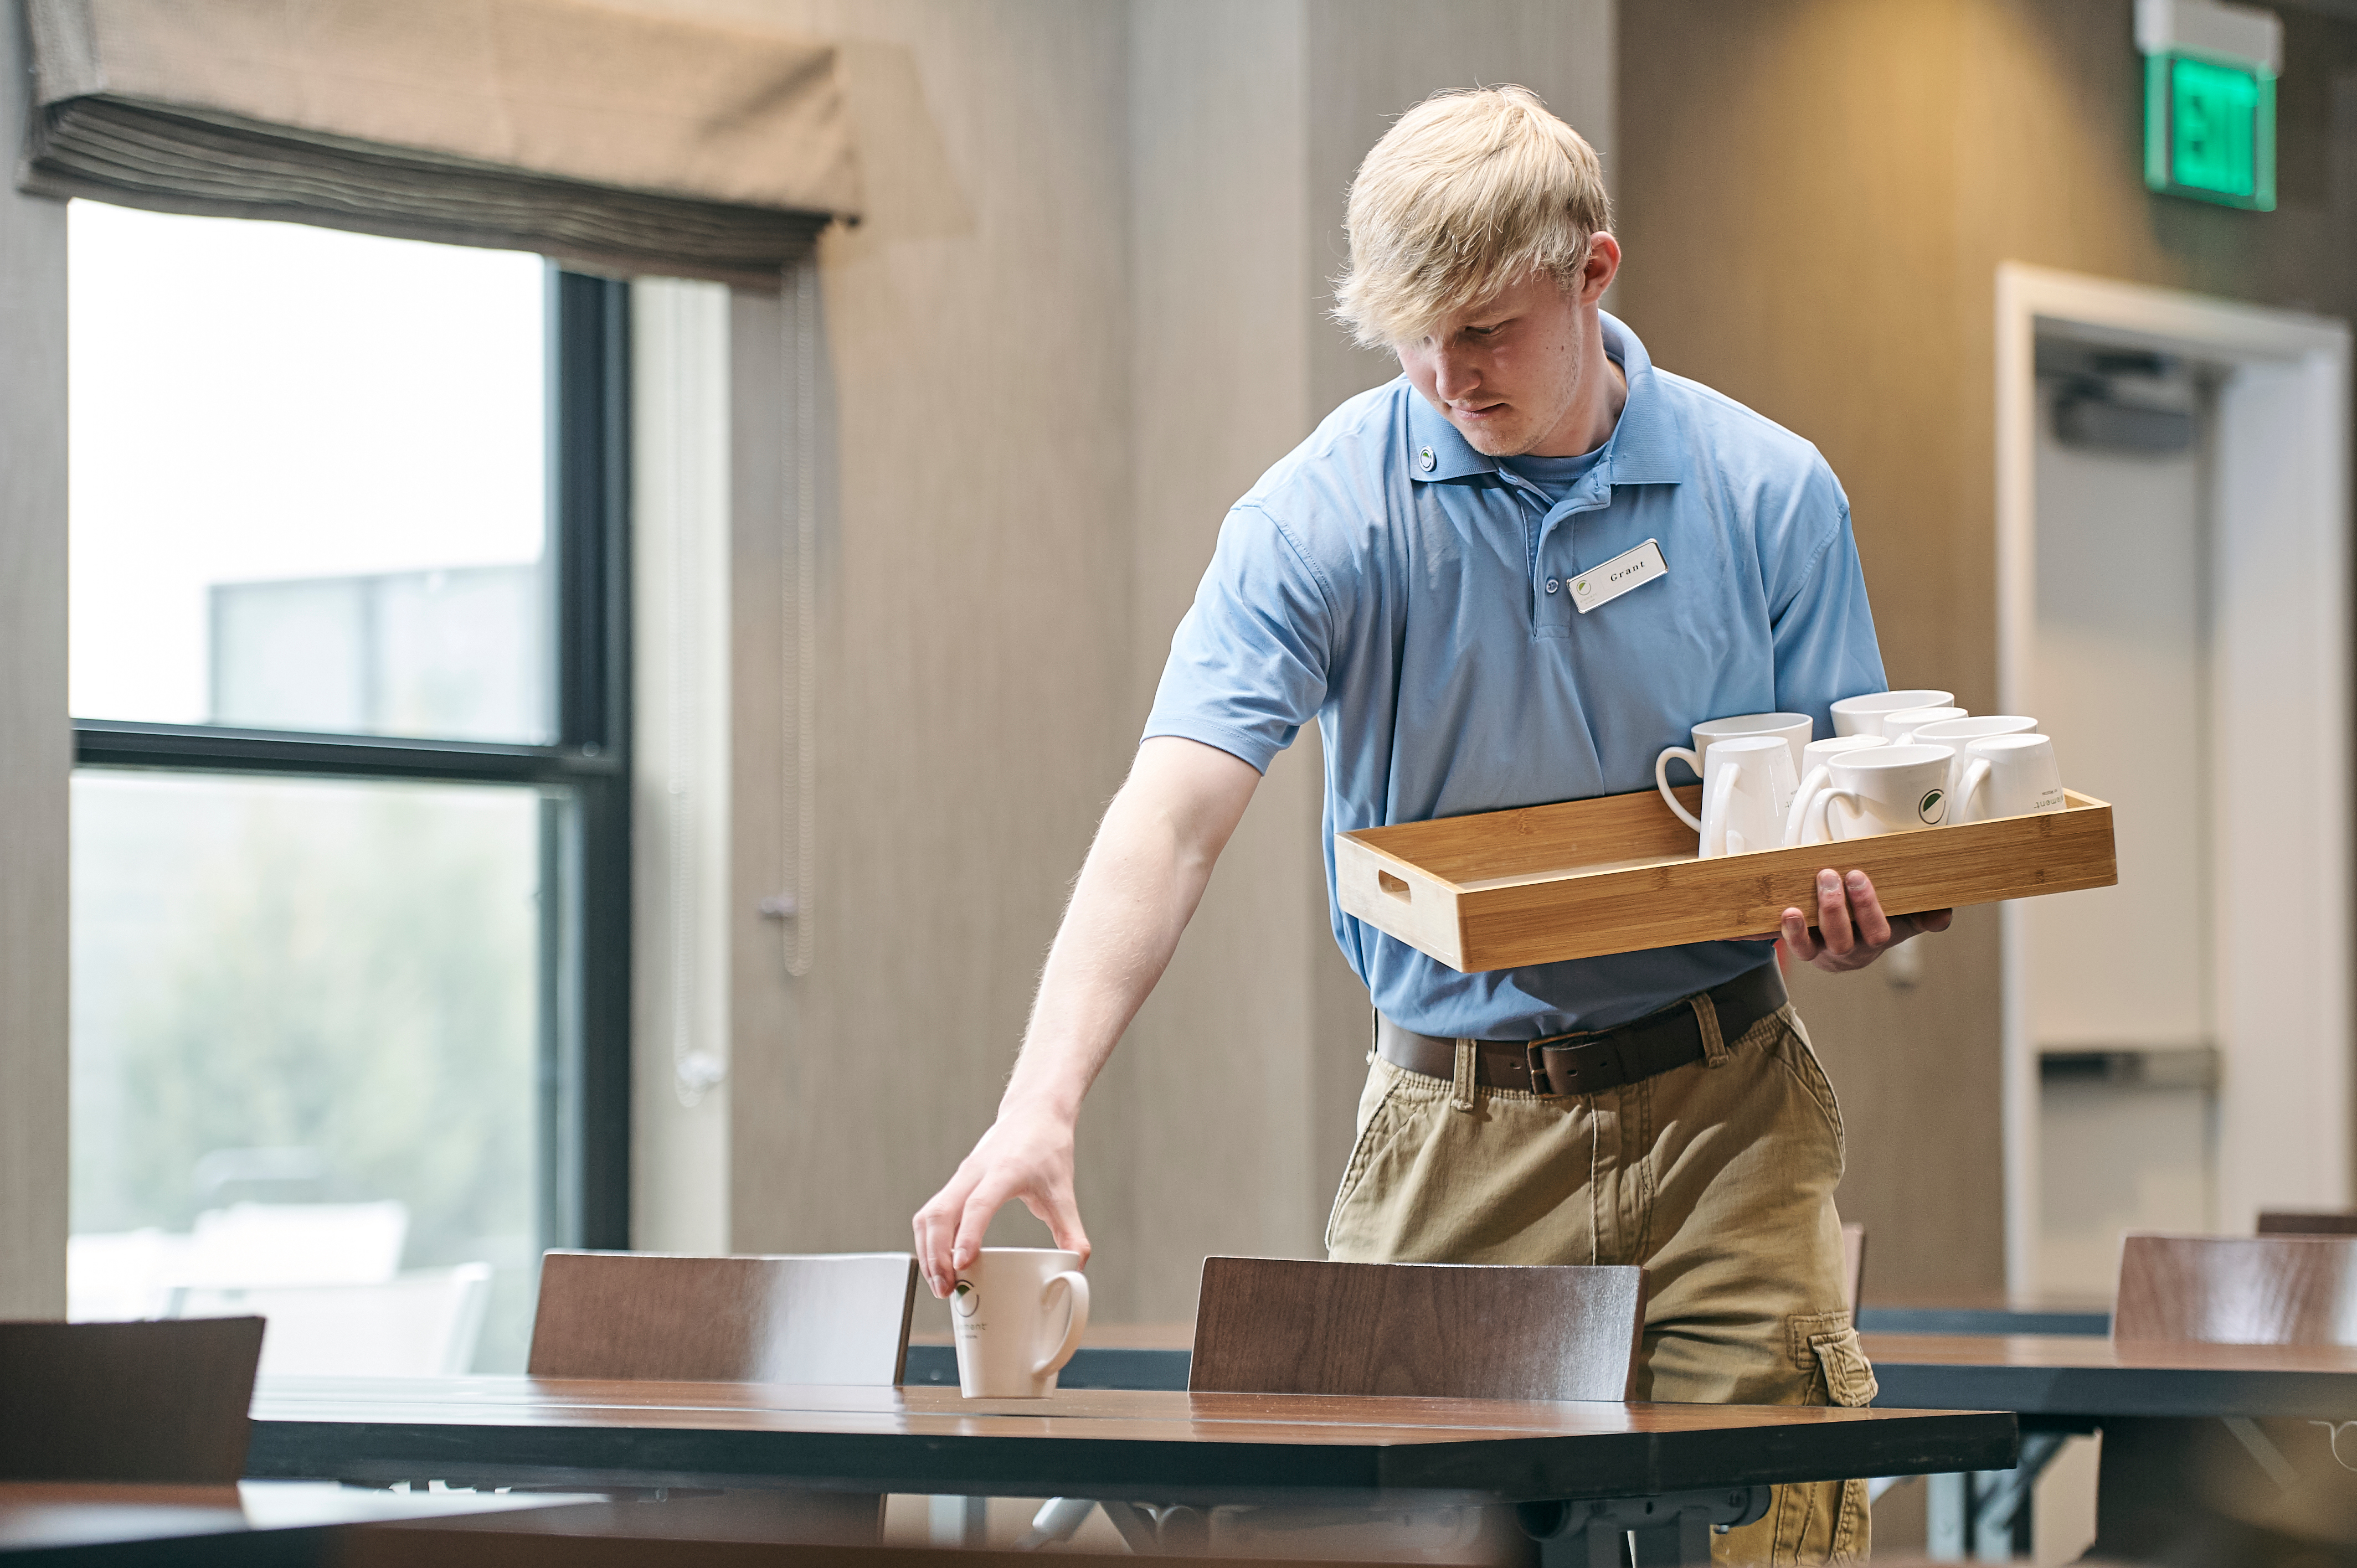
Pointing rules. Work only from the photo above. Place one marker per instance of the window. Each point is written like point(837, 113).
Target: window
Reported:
point(350, 850)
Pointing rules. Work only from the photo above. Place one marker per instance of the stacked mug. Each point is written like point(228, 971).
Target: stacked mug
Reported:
point(1897, 762)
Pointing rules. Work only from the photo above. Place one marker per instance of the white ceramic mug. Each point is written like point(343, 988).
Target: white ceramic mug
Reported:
point(1013, 1334)
point(1888, 790)
point(1746, 788)
point(1962, 733)
point(2007, 776)
point(1815, 759)
point(1899, 728)
point(1862, 715)
point(1792, 729)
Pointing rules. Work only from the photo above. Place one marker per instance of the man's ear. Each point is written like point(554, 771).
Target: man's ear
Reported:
point(1603, 264)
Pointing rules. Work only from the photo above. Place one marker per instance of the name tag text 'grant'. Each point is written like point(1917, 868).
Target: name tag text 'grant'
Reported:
point(1602, 585)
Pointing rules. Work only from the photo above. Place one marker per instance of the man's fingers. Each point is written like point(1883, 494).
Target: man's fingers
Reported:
point(973, 1221)
point(1797, 940)
point(1934, 919)
point(1832, 914)
point(1866, 908)
point(1062, 1217)
point(936, 1228)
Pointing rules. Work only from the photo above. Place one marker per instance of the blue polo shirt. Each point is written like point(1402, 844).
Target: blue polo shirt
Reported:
point(1412, 597)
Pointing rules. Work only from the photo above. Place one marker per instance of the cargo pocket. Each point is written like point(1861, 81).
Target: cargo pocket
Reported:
point(1848, 1380)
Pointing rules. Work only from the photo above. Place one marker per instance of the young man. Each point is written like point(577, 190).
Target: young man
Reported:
point(1405, 578)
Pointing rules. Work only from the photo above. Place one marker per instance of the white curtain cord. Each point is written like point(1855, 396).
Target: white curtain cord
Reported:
point(687, 1081)
point(696, 1067)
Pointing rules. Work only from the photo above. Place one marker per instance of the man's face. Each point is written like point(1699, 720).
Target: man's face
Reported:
point(1520, 372)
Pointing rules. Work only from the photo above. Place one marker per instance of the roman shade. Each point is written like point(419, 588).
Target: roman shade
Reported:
point(624, 141)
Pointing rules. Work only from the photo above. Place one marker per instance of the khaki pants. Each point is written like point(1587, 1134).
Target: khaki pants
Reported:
point(1717, 1177)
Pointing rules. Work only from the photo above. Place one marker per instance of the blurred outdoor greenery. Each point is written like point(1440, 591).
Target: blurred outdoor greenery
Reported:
point(346, 968)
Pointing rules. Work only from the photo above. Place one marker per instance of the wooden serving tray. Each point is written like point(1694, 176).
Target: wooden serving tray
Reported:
point(1619, 873)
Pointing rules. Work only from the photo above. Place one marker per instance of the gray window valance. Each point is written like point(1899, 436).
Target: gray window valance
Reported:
point(623, 141)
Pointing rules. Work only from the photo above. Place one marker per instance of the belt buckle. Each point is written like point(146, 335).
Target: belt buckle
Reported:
point(1597, 1060)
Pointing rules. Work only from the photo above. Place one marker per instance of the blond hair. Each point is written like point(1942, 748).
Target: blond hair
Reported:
point(1466, 194)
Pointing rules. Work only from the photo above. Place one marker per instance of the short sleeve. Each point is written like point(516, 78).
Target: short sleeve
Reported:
point(1824, 630)
point(1249, 663)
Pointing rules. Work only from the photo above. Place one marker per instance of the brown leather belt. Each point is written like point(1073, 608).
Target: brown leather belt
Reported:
point(1588, 1063)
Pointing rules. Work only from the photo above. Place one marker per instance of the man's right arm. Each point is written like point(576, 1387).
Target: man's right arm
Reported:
point(1138, 888)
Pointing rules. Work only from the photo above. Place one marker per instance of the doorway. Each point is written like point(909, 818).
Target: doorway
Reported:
point(2173, 607)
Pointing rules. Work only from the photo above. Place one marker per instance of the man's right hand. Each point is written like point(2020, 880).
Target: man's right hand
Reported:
point(1028, 1155)
point(1144, 876)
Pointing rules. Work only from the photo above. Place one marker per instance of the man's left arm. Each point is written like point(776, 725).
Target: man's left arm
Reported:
point(1826, 649)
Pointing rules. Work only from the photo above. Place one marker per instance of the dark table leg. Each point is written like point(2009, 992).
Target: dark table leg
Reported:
point(1671, 1531)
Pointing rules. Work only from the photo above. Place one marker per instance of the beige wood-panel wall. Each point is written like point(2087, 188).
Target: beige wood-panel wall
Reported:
point(1814, 196)
point(1082, 315)
point(36, 745)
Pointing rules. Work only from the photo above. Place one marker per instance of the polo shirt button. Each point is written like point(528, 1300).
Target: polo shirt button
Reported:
point(1553, 585)
point(1426, 460)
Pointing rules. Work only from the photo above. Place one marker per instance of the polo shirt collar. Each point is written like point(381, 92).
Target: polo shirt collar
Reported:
point(1643, 449)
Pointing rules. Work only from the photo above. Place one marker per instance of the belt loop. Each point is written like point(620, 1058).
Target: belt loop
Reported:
point(1714, 1048)
point(1460, 1093)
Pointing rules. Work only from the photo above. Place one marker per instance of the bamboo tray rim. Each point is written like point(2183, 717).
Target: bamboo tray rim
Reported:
point(2072, 802)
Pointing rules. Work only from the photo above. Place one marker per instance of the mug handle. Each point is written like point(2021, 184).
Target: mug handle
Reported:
point(1717, 801)
point(1977, 773)
point(1821, 814)
point(1693, 759)
point(1076, 1289)
point(1797, 819)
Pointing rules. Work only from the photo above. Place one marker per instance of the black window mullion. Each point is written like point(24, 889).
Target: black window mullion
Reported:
point(589, 501)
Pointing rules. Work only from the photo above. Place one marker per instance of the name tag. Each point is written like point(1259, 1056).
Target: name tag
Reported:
point(1602, 585)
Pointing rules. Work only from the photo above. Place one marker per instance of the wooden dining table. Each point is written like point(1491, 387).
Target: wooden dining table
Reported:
point(1700, 1465)
point(2175, 1416)
point(2080, 1378)
point(254, 1524)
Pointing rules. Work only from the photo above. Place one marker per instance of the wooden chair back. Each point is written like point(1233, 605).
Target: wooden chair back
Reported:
point(1853, 1267)
point(837, 1318)
point(2238, 1289)
point(2306, 1222)
point(1286, 1325)
point(162, 1403)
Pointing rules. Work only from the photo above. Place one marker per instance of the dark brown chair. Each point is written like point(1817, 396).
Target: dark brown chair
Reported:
point(2184, 1489)
point(161, 1403)
point(2237, 1289)
point(1283, 1326)
point(837, 1318)
point(2307, 1222)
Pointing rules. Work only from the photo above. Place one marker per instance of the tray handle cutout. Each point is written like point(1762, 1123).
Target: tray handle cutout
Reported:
point(1396, 887)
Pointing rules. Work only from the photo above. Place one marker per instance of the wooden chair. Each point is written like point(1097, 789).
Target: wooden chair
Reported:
point(838, 1318)
point(2307, 1222)
point(1283, 1326)
point(2238, 1289)
point(2187, 1489)
point(161, 1403)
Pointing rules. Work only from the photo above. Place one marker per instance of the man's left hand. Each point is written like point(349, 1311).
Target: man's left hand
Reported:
point(1852, 931)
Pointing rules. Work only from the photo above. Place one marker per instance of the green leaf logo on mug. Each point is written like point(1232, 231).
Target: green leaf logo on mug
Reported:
point(1932, 806)
point(965, 1301)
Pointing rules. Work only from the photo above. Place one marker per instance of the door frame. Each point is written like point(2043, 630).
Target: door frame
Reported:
point(2281, 650)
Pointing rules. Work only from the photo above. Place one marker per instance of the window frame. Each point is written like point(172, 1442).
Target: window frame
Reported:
point(584, 980)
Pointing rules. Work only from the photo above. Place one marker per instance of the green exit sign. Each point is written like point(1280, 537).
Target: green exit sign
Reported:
point(2209, 70)
point(2209, 129)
